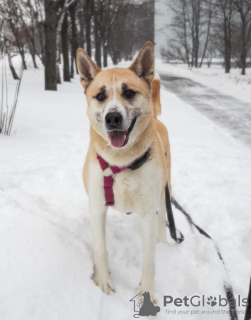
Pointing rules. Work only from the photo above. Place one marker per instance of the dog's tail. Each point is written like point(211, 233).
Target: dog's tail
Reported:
point(156, 95)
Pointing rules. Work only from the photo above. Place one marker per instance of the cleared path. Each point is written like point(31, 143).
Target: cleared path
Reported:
point(224, 110)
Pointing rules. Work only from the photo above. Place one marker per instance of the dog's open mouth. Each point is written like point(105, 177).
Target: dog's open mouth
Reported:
point(120, 138)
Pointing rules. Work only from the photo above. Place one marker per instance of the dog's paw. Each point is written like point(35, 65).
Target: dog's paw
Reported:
point(104, 282)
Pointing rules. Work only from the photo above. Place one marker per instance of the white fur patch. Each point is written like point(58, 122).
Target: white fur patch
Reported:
point(114, 103)
point(108, 172)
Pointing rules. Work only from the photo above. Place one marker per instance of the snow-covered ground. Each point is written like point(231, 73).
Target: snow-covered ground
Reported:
point(45, 237)
point(233, 84)
point(224, 110)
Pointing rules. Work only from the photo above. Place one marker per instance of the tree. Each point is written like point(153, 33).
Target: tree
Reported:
point(224, 30)
point(60, 19)
point(98, 12)
point(88, 17)
point(50, 26)
point(65, 49)
point(27, 13)
point(135, 21)
point(13, 16)
point(39, 25)
point(244, 9)
point(192, 30)
point(47, 28)
point(7, 36)
point(74, 36)
point(209, 13)
point(110, 13)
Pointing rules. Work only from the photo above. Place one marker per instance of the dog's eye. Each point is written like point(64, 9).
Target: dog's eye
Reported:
point(101, 96)
point(128, 94)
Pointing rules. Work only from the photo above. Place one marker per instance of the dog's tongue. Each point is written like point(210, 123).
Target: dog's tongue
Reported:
point(117, 138)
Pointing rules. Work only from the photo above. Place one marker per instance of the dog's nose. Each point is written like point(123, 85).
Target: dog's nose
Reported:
point(113, 120)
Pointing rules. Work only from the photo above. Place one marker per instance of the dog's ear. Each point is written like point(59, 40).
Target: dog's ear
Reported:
point(143, 65)
point(86, 67)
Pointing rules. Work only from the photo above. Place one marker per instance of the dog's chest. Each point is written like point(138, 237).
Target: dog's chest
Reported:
point(136, 191)
point(126, 188)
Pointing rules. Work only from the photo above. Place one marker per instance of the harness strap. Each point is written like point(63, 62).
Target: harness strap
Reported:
point(108, 180)
point(139, 162)
point(108, 187)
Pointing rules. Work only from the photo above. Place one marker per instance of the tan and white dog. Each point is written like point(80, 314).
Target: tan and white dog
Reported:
point(123, 105)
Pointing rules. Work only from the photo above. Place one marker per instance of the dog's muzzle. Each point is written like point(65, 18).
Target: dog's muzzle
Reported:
point(115, 129)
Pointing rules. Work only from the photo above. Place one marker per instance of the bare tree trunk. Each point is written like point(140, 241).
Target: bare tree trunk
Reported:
point(72, 66)
point(33, 50)
point(88, 15)
point(228, 51)
point(197, 36)
point(97, 48)
point(105, 55)
point(226, 8)
point(12, 69)
point(210, 13)
point(22, 54)
point(58, 33)
point(81, 26)
point(193, 33)
point(185, 33)
point(50, 45)
point(244, 9)
point(33, 55)
point(74, 40)
point(243, 49)
point(65, 50)
point(97, 39)
point(30, 35)
point(39, 10)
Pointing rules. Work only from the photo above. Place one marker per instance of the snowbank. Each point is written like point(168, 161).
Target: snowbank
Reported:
point(233, 84)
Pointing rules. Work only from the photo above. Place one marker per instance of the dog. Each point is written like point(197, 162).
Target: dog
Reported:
point(128, 163)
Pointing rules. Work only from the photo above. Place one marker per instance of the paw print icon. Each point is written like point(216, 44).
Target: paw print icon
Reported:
point(211, 301)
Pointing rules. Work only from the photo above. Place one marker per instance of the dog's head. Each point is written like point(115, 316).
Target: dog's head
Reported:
point(119, 99)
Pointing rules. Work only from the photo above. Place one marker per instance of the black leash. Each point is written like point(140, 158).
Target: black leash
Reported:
point(248, 311)
point(171, 223)
point(173, 232)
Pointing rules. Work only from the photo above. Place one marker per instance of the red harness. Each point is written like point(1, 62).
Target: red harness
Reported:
point(108, 181)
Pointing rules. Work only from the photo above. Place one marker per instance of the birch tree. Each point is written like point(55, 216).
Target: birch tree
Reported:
point(60, 19)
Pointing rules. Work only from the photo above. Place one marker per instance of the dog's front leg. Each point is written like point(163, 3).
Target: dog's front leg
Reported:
point(101, 273)
point(149, 239)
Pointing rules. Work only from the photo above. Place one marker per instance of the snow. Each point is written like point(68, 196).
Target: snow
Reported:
point(45, 237)
point(233, 84)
